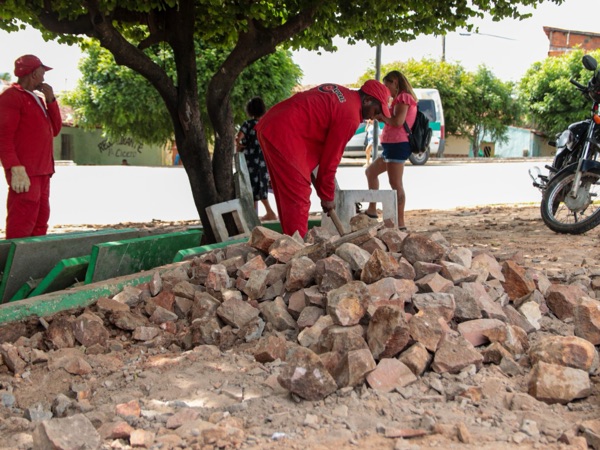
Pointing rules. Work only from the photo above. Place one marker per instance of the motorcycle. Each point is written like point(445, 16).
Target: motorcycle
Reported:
point(570, 190)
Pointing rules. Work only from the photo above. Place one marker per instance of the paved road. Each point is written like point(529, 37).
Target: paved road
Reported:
point(116, 194)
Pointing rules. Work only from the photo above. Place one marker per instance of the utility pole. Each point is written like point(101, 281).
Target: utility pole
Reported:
point(375, 122)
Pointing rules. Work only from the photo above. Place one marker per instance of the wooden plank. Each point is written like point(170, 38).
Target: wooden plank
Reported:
point(115, 259)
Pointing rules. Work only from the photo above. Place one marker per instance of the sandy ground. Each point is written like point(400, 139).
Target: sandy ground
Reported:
point(230, 387)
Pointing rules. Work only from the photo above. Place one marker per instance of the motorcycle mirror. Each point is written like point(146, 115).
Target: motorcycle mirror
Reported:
point(589, 62)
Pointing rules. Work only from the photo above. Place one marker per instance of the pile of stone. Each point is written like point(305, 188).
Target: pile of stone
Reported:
point(377, 306)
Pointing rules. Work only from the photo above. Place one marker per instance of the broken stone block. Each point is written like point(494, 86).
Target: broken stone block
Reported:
point(392, 238)
point(587, 320)
point(315, 297)
point(434, 282)
point(256, 285)
point(388, 333)
point(276, 313)
point(70, 432)
point(130, 295)
point(516, 281)
point(354, 367)
point(205, 305)
point(296, 302)
point(309, 337)
point(161, 315)
point(373, 244)
point(60, 331)
point(552, 383)
point(10, 356)
point(527, 317)
point(353, 255)
point(284, 248)
point(300, 273)
point(126, 320)
point(110, 305)
point(477, 331)
point(428, 329)
point(487, 267)
point(461, 255)
point(306, 376)
point(185, 289)
point(347, 304)
point(332, 272)
point(270, 349)
point(380, 265)
point(256, 263)
point(89, 330)
point(466, 307)
point(418, 247)
point(489, 309)
point(389, 291)
point(438, 303)
point(416, 358)
point(456, 273)
point(218, 279)
point(390, 374)
point(454, 353)
point(562, 299)
point(262, 238)
point(309, 316)
point(236, 313)
point(340, 339)
point(567, 351)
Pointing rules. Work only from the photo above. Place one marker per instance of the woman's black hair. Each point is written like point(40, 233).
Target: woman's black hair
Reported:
point(255, 107)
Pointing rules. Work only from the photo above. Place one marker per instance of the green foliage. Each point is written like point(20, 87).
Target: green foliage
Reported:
point(122, 102)
point(5, 76)
point(550, 100)
point(474, 103)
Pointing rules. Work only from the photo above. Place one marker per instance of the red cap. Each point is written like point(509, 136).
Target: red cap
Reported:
point(380, 92)
point(27, 64)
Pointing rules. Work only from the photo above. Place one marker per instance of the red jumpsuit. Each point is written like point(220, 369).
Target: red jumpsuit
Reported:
point(307, 130)
point(27, 129)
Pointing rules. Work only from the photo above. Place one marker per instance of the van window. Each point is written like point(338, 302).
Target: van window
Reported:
point(427, 106)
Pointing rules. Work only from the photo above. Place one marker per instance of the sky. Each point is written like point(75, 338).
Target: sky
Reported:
point(508, 48)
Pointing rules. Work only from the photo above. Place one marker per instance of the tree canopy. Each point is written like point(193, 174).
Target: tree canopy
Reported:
point(122, 102)
point(475, 104)
point(550, 100)
point(250, 30)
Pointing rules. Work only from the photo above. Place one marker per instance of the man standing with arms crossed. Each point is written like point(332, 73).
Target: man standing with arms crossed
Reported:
point(28, 125)
point(311, 129)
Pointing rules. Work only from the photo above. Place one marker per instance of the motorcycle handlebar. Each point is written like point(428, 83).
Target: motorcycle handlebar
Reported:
point(579, 85)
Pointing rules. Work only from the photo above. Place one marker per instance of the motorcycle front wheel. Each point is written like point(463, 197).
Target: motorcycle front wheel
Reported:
point(563, 213)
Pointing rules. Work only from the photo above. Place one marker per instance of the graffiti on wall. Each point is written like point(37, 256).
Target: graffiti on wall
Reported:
point(131, 149)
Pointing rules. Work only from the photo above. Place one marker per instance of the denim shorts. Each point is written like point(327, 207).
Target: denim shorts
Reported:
point(397, 152)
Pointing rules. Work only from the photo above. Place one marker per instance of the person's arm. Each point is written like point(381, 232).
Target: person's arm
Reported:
point(10, 116)
point(239, 146)
point(52, 107)
point(398, 115)
point(338, 136)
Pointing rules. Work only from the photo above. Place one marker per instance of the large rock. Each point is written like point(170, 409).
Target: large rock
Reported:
point(305, 375)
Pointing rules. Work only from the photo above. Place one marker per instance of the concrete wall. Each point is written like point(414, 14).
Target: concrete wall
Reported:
point(91, 148)
point(520, 140)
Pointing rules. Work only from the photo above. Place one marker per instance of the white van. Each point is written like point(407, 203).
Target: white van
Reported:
point(431, 105)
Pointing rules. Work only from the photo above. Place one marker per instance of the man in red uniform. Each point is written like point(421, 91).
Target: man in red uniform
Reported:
point(28, 124)
point(311, 129)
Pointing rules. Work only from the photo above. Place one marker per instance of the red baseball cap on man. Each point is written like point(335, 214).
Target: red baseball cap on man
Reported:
point(27, 64)
point(380, 92)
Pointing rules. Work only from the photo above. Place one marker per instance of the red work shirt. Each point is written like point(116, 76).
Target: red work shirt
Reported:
point(312, 128)
point(27, 129)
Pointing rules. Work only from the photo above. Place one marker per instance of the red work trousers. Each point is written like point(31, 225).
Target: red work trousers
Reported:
point(291, 186)
point(28, 212)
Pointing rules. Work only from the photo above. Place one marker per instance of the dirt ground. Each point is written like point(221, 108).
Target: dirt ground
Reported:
point(242, 396)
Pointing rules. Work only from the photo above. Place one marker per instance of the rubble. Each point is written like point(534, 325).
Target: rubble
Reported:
point(372, 314)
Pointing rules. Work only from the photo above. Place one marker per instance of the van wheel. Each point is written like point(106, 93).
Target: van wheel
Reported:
point(418, 159)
